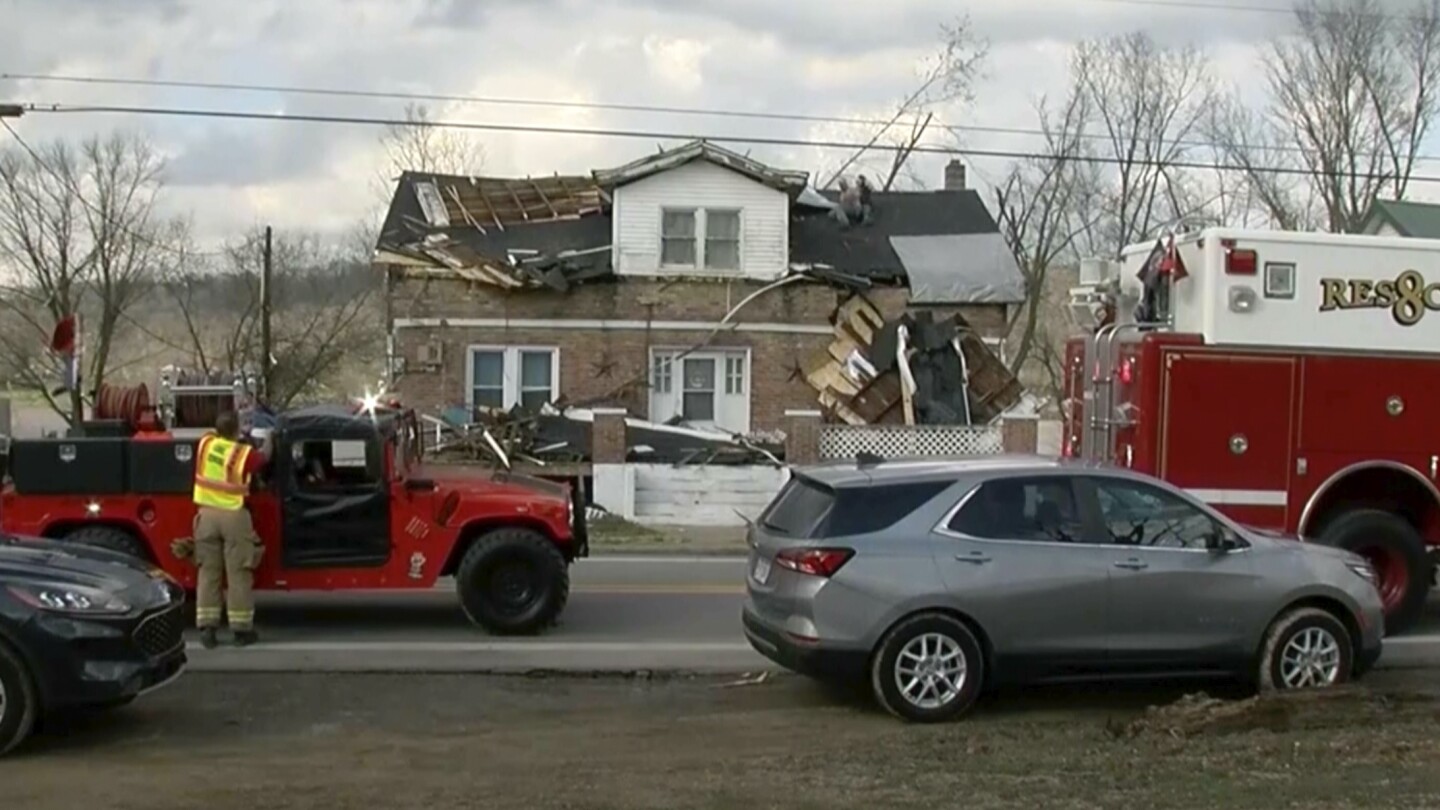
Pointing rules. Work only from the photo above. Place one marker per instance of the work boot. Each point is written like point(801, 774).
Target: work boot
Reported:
point(244, 638)
point(207, 638)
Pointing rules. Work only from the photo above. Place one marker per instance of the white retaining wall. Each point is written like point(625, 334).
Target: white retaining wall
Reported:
point(687, 496)
point(701, 495)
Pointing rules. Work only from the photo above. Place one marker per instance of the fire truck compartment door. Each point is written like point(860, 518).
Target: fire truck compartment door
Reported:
point(1226, 430)
point(1376, 406)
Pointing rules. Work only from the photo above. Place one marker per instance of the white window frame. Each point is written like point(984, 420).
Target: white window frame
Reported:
point(701, 215)
point(704, 242)
point(721, 355)
point(510, 371)
point(699, 236)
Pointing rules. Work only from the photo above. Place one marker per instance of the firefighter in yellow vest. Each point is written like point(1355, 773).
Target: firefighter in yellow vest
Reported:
point(226, 545)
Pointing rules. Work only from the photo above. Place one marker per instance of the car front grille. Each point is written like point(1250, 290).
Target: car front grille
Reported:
point(161, 633)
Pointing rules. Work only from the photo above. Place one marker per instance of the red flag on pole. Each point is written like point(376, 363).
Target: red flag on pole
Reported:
point(62, 340)
point(1171, 264)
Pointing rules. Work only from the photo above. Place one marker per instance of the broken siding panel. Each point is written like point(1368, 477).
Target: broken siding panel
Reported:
point(764, 230)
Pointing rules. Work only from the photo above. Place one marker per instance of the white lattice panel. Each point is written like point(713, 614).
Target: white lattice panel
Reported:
point(898, 441)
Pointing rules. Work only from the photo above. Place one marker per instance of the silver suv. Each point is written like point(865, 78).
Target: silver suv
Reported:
point(934, 579)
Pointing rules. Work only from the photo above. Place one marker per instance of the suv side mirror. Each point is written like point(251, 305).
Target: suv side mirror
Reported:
point(1222, 540)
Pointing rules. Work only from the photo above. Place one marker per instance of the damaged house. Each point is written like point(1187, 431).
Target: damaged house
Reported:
point(698, 286)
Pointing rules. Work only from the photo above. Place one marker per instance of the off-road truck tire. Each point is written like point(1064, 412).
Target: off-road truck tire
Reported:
point(513, 581)
point(110, 539)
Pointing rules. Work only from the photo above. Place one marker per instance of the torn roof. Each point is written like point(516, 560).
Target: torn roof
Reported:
point(791, 182)
point(816, 238)
point(428, 202)
point(562, 226)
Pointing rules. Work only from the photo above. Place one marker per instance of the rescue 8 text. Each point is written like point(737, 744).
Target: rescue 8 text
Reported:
point(1407, 297)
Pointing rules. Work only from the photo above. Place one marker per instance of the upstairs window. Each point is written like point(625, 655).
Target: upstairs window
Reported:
point(677, 238)
point(722, 240)
point(700, 238)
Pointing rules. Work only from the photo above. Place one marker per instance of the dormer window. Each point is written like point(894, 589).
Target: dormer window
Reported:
point(700, 238)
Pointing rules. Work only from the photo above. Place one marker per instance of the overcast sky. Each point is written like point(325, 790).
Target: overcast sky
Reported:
point(812, 57)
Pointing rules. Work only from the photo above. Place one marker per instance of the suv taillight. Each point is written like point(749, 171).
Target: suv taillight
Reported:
point(816, 562)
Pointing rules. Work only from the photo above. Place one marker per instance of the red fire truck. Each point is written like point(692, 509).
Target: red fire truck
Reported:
point(345, 504)
point(1289, 379)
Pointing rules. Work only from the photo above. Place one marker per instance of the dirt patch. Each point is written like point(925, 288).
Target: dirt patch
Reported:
point(1200, 714)
point(402, 742)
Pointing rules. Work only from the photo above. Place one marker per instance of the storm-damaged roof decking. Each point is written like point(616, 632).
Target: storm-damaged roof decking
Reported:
point(557, 231)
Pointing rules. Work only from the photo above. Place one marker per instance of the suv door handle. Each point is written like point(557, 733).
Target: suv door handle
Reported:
point(1132, 564)
point(974, 558)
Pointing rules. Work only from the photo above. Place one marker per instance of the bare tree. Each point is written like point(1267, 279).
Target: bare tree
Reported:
point(79, 235)
point(1044, 206)
point(1353, 97)
point(321, 319)
point(946, 77)
point(419, 146)
point(1147, 103)
point(1106, 177)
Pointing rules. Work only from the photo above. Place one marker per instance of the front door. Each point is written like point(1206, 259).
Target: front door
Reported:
point(335, 504)
point(1018, 557)
point(1175, 602)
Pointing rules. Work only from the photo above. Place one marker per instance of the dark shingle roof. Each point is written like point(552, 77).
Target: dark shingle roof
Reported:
point(817, 238)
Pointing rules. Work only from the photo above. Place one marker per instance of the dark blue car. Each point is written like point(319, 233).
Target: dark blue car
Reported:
point(81, 628)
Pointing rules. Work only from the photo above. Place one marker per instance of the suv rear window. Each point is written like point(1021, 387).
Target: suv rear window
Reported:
point(809, 510)
point(801, 505)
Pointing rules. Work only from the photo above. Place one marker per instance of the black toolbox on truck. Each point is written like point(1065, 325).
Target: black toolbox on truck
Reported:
point(72, 465)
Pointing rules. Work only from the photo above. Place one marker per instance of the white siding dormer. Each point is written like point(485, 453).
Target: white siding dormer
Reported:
point(692, 216)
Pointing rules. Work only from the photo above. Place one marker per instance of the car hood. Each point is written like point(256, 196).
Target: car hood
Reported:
point(1296, 545)
point(39, 560)
point(481, 478)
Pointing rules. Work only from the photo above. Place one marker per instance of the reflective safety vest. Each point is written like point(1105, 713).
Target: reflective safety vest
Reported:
point(220, 478)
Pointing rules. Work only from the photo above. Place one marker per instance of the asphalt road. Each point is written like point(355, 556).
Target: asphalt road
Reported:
point(626, 613)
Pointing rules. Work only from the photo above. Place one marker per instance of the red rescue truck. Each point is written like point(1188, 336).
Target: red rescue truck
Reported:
point(1292, 380)
point(346, 503)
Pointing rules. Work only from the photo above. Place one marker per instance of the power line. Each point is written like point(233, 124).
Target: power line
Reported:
point(935, 149)
point(446, 97)
point(595, 105)
point(80, 196)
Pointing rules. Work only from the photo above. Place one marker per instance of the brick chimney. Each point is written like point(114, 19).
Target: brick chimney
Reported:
point(954, 175)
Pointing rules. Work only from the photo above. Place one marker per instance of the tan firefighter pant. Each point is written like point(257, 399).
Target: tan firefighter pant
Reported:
point(226, 548)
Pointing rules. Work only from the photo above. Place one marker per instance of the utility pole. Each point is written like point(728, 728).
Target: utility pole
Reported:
point(265, 368)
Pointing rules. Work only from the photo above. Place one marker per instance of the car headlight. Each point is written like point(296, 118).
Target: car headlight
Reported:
point(1365, 571)
point(70, 599)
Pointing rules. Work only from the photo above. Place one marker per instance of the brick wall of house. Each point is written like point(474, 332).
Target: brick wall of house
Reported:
point(614, 364)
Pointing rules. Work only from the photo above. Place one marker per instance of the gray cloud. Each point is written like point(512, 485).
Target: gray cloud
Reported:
point(805, 56)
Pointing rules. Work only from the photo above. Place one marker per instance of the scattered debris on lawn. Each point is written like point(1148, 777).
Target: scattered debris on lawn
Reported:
point(1200, 714)
point(913, 370)
point(563, 436)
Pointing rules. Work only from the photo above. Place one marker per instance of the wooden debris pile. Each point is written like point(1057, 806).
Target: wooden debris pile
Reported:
point(510, 437)
point(910, 370)
point(564, 437)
